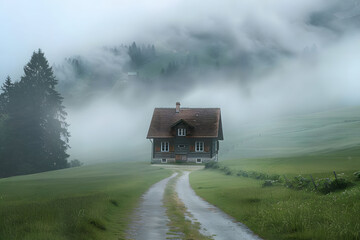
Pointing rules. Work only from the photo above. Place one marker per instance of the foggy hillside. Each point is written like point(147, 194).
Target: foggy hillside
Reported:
point(258, 61)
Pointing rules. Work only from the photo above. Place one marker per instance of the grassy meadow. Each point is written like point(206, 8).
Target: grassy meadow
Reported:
point(277, 212)
point(297, 135)
point(90, 202)
point(319, 165)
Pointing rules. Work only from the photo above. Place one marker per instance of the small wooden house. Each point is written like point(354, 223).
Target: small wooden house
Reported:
point(185, 135)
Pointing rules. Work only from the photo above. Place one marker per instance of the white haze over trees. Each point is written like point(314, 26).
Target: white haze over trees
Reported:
point(268, 59)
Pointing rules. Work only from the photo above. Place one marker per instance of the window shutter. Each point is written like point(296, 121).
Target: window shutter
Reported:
point(157, 149)
point(207, 148)
point(171, 148)
point(192, 148)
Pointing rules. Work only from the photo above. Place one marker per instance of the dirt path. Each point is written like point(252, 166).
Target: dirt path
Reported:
point(150, 220)
point(213, 221)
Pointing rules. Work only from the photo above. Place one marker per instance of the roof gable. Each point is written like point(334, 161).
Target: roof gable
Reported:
point(181, 121)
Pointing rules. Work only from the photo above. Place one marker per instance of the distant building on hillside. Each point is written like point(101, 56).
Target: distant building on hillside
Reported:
point(185, 135)
point(132, 75)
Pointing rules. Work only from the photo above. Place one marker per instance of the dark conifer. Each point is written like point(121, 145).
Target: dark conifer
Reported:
point(4, 104)
point(36, 130)
point(5, 95)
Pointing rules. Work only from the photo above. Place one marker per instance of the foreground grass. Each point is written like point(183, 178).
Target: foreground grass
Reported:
point(90, 202)
point(180, 225)
point(280, 213)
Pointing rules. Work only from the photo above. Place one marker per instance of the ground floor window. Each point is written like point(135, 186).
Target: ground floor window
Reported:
point(199, 146)
point(164, 160)
point(164, 146)
point(198, 160)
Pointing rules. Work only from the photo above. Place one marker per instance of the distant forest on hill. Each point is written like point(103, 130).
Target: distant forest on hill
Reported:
point(148, 66)
point(179, 61)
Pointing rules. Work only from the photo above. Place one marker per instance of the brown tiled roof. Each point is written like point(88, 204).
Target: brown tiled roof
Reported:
point(205, 122)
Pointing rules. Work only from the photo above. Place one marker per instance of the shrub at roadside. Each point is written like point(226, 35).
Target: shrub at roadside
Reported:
point(269, 183)
point(213, 165)
point(299, 183)
point(326, 185)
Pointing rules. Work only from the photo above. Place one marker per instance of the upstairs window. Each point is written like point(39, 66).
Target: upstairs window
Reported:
point(181, 132)
point(164, 146)
point(199, 146)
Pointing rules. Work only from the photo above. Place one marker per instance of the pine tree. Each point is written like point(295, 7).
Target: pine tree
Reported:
point(3, 161)
point(7, 89)
point(5, 95)
point(136, 55)
point(36, 130)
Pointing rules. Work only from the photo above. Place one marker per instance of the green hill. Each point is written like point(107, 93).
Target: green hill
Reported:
point(319, 132)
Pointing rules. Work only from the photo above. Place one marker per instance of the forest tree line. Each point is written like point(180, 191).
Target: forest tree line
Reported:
point(33, 129)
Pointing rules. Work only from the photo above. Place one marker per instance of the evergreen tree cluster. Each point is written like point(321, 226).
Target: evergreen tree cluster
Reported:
point(141, 55)
point(33, 128)
point(77, 66)
point(171, 69)
point(183, 67)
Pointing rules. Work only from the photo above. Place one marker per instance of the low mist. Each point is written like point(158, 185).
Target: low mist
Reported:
point(255, 60)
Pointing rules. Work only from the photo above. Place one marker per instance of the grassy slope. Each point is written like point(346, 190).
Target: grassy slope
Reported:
point(91, 202)
point(321, 143)
point(296, 135)
point(319, 165)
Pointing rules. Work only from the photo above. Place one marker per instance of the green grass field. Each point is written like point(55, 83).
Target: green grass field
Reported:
point(278, 212)
point(90, 202)
point(320, 132)
point(342, 161)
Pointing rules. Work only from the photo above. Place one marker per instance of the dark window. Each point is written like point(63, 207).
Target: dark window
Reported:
point(181, 132)
point(164, 160)
point(199, 146)
point(164, 146)
point(198, 160)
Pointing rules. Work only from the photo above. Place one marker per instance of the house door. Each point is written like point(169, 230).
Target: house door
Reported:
point(181, 157)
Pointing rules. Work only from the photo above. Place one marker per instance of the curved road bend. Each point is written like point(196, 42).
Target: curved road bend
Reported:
point(150, 221)
point(214, 222)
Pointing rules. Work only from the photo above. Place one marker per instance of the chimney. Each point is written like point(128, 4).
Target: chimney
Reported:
point(177, 107)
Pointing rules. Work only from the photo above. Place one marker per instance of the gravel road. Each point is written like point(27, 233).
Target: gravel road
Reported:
point(150, 220)
point(214, 222)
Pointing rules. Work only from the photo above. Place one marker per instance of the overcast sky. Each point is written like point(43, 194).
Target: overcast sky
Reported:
point(63, 28)
point(317, 42)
